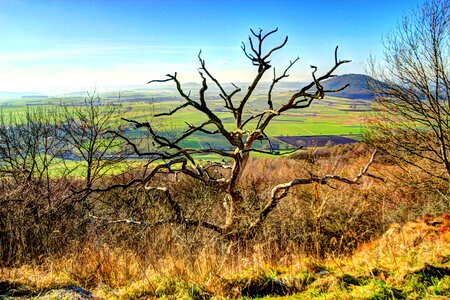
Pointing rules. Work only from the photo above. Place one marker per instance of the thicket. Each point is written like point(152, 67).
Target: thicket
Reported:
point(112, 238)
point(45, 218)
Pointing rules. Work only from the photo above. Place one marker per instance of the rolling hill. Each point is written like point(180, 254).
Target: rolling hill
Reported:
point(358, 89)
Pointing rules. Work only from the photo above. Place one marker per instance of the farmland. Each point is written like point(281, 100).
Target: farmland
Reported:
point(327, 117)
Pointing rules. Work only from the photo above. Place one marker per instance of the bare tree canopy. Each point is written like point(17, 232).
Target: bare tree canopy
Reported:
point(412, 91)
point(85, 128)
point(169, 156)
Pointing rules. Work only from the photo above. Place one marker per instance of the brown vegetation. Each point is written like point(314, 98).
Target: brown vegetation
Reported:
point(245, 227)
point(129, 251)
point(412, 91)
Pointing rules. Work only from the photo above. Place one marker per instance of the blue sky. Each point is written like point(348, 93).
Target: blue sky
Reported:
point(53, 46)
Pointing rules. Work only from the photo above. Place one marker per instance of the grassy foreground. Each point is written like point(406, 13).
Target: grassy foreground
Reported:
point(407, 262)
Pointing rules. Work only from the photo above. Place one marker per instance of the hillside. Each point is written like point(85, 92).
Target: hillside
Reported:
point(358, 89)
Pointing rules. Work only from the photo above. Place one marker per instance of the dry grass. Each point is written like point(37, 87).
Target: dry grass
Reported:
point(404, 262)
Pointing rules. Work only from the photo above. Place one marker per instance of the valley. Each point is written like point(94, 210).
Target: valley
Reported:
point(329, 117)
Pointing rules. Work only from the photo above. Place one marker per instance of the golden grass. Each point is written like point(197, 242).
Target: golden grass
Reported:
point(392, 266)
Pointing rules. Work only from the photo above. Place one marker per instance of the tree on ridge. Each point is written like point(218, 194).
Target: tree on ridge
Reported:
point(170, 156)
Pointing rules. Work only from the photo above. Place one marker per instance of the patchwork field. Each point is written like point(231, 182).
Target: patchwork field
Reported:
point(331, 116)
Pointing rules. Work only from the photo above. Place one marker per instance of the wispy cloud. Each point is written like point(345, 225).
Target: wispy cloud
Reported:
point(87, 52)
point(64, 54)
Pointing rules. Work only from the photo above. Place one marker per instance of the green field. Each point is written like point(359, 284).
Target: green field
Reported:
point(330, 116)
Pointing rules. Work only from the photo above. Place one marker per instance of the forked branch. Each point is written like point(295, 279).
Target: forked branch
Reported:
point(306, 95)
point(258, 59)
point(276, 79)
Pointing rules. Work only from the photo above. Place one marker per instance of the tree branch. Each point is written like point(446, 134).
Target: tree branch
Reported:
point(277, 79)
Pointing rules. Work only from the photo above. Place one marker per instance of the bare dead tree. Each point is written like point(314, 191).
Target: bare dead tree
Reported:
point(170, 157)
point(29, 144)
point(412, 91)
point(85, 128)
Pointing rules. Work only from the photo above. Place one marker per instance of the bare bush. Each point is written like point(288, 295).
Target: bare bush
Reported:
point(39, 214)
point(85, 129)
point(412, 91)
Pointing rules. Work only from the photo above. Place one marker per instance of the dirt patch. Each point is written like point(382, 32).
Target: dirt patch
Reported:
point(9, 290)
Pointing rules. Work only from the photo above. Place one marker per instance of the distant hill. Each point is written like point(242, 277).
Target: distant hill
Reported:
point(358, 89)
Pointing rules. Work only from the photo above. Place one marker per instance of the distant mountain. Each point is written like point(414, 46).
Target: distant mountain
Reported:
point(358, 89)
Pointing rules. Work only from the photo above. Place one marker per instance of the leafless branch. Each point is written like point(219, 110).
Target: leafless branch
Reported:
point(277, 79)
point(173, 111)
